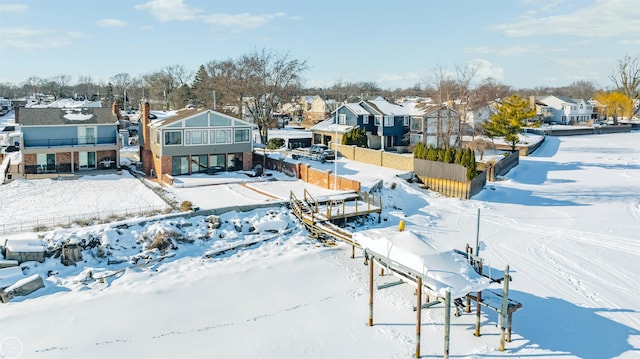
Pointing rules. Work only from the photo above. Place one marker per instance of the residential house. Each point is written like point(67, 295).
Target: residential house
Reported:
point(68, 140)
point(475, 120)
point(194, 141)
point(435, 125)
point(564, 110)
point(391, 122)
point(386, 124)
point(313, 110)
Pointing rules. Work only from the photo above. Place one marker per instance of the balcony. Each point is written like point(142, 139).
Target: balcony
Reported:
point(70, 142)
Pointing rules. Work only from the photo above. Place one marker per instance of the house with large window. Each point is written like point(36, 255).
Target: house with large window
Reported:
point(434, 125)
point(194, 141)
point(564, 110)
point(68, 140)
point(386, 124)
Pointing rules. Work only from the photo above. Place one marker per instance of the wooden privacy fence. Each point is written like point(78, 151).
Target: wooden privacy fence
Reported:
point(448, 178)
point(456, 189)
point(503, 166)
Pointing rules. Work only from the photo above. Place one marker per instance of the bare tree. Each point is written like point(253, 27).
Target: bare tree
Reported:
point(58, 86)
point(454, 90)
point(263, 80)
point(219, 87)
point(33, 85)
point(84, 88)
point(581, 89)
point(120, 83)
point(163, 84)
point(626, 78)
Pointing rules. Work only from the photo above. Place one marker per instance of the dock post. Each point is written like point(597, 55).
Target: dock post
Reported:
point(509, 319)
point(353, 251)
point(478, 300)
point(447, 323)
point(418, 318)
point(505, 308)
point(371, 261)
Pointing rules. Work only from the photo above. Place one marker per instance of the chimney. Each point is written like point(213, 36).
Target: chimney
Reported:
point(144, 123)
point(116, 110)
point(146, 157)
point(16, 113)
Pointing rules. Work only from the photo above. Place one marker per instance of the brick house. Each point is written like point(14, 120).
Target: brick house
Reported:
point(68, 140)
point(194, 141)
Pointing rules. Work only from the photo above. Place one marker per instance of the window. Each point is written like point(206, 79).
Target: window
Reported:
point(416, 124)
point(179, 165)
point(86, 135)
point(405, 121)
point(241, 135)
point(87, 160)
point(415, 138)
point(46, 162)
point(365, 119)
point(378, 120)
point(199, 164)
point(195, 137)
point(221, 136)
point(217, 163)
point(342, 119)
point(388, 120)
point(172, 138)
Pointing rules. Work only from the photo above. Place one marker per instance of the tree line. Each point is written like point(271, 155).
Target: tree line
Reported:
point(261, 81)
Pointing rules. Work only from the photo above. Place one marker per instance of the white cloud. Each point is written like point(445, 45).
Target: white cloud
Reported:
point(603, 18)
point(27, 38)
point(111, 23)
point(177, 10)
point(387, 80)
point(630, 42)
point(514, 50)
point(242, 21)
point(14, 8)
point(169, 10)
point(485, 70)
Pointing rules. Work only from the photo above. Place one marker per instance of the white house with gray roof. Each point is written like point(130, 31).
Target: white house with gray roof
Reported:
point(565, 110)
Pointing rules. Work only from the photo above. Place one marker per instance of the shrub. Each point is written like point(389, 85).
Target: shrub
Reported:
point(185, 206)
point(275, 143)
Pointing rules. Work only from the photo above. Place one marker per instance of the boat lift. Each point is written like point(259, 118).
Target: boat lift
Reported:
point(319, 226)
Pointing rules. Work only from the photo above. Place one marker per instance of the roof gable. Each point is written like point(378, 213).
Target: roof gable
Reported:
point(384, 107)
point(199, 118)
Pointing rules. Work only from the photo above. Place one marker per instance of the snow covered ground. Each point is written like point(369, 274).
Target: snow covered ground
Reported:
point(566, 220)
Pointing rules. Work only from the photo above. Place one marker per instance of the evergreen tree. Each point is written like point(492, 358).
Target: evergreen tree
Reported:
point(509, 119)
point(471, 166)
point(458, 158)
point(420, 151)
point(356, 137)
point(432, 154)
point(200, 88)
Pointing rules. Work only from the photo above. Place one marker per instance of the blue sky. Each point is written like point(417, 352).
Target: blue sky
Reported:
point(522, 43)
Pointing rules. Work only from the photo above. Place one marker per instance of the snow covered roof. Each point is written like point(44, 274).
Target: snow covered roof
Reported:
point(289, 133)
point(441, 271)
point(329, 125)
point(66, 103)
point(30, 116)
point(387, 108)
point(356, 109)
point(189, 113)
